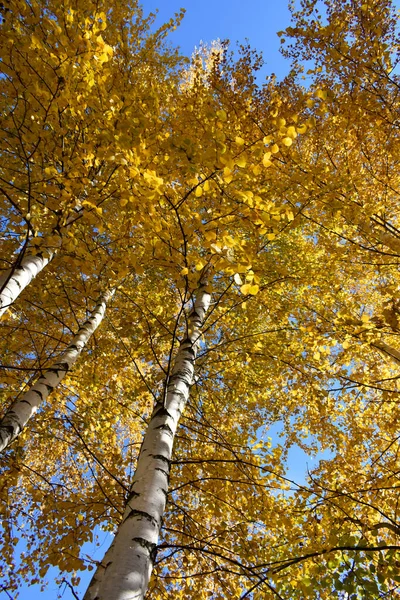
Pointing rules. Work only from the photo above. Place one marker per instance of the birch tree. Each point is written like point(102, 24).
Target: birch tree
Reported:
point(126, 568)
point(13, 282)
point(69, 125)
point(19, 413)
point(243, 180)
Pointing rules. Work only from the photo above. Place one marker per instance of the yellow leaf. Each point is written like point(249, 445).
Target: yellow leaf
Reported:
point(242, 268)
point(227, 175)
point(8, 314)
point(256, 169)
point(210, 235)
point(239, 141)
point(237, 279)
point(241, 161)
point(198, 192)
point(274, 148)
point(266, 161)
point(221, 114)
point(35, 42)
point(222, 147)
point(245, 288)
point(228, 162)
point(123, 272)
point(321, 94)
point(184, 271)
point(199, 266)
point(254, 290)
point(103, 57)
point(108, 50)
point(50, 171)
point(271, 236)
point(287, 141)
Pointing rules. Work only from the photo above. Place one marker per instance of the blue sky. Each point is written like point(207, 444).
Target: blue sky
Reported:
point(205, 20)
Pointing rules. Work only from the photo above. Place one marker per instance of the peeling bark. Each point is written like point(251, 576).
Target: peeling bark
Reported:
point(25, 407)
point(126, 568)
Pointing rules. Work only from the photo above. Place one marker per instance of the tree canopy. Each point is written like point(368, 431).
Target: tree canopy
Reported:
point(191, 261)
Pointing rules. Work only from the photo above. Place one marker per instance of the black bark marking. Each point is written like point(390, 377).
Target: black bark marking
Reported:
point(190, 351)
point(56, 370)
point(64, 366)
point(8, 428)
point(149, 546)
point(140, 514)
point(166, 428)
point(153, 554)
point(160, 411)
point(161, 457)
point(163, 471)
point(131, 496)
point(177, 392)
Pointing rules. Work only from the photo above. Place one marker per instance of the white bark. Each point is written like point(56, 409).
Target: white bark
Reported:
point(13, 281)
point(25, 407)
point(126, 568)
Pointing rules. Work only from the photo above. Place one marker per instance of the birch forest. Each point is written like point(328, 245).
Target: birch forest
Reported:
point(199, 276)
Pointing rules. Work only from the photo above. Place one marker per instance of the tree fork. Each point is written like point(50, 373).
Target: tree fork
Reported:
point(125, 571)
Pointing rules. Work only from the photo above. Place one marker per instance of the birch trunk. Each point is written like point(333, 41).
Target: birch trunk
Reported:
point(25, 407)
point(126, 568)
point(13, 281)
